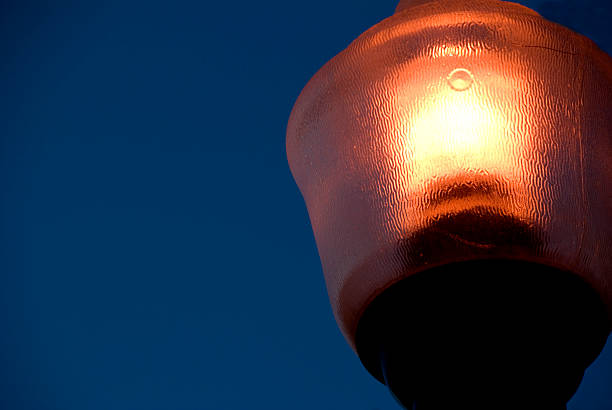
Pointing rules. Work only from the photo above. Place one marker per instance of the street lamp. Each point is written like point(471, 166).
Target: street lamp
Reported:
point(456, 162)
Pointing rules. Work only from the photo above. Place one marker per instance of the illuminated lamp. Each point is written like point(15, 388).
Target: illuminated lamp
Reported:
point(456, 164)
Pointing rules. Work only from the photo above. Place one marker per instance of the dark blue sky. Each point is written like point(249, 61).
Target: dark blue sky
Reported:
point(155, 251)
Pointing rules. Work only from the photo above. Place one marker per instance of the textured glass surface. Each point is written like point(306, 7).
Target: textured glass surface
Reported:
point(456, 130)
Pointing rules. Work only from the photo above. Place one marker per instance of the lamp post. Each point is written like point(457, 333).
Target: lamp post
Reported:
point(456, 162)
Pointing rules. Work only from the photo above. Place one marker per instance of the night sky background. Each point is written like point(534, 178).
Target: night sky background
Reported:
point(155, 252)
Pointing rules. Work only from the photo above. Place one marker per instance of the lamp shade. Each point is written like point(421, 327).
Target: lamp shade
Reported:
point(477, 122)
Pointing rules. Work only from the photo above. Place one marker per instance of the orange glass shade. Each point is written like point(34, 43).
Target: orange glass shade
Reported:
point(478, 111)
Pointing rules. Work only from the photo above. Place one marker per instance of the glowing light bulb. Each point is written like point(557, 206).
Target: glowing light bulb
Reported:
point(456, 131)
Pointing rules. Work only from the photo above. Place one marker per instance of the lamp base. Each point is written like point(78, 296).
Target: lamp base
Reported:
point(490, 334)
